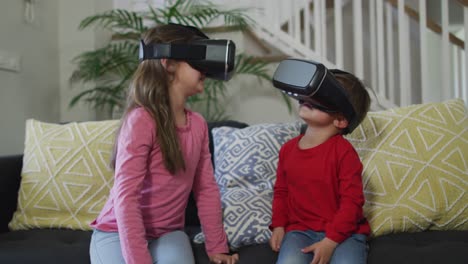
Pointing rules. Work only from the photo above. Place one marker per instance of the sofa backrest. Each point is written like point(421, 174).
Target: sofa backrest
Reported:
point(10, 178)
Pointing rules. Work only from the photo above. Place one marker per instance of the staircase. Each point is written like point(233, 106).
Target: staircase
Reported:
point(403, 55)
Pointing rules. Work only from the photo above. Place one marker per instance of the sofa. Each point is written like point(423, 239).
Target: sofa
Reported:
point(405, 229)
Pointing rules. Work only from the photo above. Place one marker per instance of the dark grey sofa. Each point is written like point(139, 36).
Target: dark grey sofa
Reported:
point(71, 246)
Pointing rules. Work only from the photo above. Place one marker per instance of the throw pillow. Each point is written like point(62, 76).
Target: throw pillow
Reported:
point(245, 170)
point(415, 167)
point(66, 176)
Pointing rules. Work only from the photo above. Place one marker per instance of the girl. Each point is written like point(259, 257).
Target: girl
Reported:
point(161, 154)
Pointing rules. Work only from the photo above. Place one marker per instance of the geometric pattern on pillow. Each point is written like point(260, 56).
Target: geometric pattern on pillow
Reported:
point(245, 170)
point(66, 177)
point(415, 174)
point(247, 214)
point(248, 157)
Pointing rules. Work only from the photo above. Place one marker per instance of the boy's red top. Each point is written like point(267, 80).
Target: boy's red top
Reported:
point(320, 189)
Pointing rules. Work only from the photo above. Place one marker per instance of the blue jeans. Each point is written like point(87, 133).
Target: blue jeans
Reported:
point(352, 250)
point(173, 247)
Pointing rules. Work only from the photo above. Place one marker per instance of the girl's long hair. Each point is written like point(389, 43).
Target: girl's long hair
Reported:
point(149, 89)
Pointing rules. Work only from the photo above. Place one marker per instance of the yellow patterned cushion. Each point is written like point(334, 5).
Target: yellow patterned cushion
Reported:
point(66, 176)
point(415, 167)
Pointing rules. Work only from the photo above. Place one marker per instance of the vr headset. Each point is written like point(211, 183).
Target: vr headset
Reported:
point(312, 83)
point(213, 57)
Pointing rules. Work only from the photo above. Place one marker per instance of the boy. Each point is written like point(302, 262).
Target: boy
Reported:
point(317, 203)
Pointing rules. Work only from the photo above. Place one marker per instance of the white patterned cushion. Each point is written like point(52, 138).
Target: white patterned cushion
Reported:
point(245, 170)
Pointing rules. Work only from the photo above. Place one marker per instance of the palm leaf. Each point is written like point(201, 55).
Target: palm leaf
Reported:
point(117, 19)
point(116, 58)
point(110, 68)
point(109, 93)
point(248, 65)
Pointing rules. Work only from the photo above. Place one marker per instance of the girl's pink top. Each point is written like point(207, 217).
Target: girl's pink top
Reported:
point(146, 201)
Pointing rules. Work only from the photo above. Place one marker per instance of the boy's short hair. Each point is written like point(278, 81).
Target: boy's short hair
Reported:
point(357, 94)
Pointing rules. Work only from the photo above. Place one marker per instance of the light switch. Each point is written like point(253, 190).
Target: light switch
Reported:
point(10, 61)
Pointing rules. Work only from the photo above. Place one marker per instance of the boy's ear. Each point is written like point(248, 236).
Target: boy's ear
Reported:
point(340, 122)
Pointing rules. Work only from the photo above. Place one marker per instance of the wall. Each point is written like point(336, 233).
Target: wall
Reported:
point(41, 89)
point(33, 92)
point(73, 42)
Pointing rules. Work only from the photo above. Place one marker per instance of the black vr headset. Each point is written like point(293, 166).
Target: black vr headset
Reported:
point(213, 57)
point(312, 83)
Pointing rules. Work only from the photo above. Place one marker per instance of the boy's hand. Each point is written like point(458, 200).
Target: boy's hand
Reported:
point(322, 250)
point(276, 238)
point(224, 258)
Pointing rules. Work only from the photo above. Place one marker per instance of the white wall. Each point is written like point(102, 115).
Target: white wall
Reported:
point(33, 92)
point(72, 42)
point(40, 89)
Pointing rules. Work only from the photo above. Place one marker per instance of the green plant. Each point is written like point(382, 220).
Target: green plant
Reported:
point(109, 69)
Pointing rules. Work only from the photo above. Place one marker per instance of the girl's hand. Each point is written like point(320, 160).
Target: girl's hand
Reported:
point(224, 258)
point(276, 238)
point(322, 250)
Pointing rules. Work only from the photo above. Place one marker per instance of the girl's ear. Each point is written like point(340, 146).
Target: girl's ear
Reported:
point(169, 65)
point(340, 122)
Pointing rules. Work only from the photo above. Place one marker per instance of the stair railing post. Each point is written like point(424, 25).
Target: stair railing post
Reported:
point(381, 48)
point(373, 47)
point(390, 55)
point(425, 86)
point(447, 85)
point(338, 12)
point(358, 42)
point(317, 28)
point(306, 6)
point(323, 30)
point(465, 64)
point(403, 50)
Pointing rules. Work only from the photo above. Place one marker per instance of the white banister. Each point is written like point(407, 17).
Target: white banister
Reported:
point(390, 56)
point(317, 28)
point(358, 39)
point(338, 12)
point(423, 51)
point(323, 29)
point(373, 46)
point(296, 20)
point(302, 28)
point(381, 48)
point(307, 15)
point(457, 86)
point(465, 63)
point(276, 15)
point(445, 59)
point(405, 97)
point(289, 10)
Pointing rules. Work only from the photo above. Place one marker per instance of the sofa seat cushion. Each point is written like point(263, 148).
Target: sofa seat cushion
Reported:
point(424, 248)
point(54, 245)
